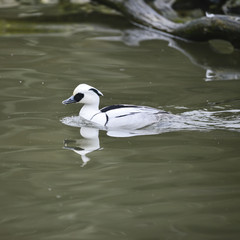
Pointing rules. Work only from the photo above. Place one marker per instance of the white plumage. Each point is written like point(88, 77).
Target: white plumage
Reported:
point(115, 116)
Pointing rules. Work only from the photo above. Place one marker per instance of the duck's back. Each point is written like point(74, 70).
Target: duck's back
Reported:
point(131, 116)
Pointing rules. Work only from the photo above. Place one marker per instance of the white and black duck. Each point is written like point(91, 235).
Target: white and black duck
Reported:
point(114, 116)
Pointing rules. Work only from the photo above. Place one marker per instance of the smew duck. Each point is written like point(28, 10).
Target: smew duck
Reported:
point(114, 116)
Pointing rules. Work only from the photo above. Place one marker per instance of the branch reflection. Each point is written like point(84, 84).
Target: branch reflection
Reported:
point(217, 58)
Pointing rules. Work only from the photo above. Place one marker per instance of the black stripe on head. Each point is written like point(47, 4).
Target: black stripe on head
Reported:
point(96, 91)
point(78, 97)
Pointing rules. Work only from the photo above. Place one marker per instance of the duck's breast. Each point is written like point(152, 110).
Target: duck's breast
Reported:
point(100, 118)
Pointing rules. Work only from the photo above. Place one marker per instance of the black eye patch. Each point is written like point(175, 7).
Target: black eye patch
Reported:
point(78, 97)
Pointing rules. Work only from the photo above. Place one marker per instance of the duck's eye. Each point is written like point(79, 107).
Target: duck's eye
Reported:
point(78, 97)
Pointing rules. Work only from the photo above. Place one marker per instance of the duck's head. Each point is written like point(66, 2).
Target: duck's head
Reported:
point(85, 94)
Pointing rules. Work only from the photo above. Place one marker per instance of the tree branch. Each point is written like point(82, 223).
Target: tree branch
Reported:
point(202, 29)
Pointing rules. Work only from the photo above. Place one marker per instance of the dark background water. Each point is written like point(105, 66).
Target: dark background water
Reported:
point(176, 185)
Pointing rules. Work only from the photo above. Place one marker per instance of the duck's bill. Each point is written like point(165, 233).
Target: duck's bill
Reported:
point(69, 100)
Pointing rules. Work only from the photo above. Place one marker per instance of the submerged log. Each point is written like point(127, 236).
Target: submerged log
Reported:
point(203, 29)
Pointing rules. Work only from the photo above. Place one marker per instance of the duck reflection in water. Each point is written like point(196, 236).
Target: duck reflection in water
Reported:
point(90, 135)
point(87, 144)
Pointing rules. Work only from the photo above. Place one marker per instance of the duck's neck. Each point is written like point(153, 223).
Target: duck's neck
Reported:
point(89, 110)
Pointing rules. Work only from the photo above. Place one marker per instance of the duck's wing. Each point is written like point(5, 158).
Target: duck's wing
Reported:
point(123, 110)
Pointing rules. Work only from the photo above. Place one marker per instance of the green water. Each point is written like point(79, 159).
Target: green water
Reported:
point(174, 185)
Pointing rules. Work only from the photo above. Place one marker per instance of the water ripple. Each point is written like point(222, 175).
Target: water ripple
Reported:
point(191, 120)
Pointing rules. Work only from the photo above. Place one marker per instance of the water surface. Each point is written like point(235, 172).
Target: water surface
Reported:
point(181, 184)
